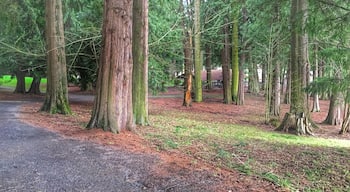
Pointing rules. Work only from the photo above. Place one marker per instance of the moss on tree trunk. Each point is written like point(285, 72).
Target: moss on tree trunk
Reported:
point(140, 62)
point(56, 100)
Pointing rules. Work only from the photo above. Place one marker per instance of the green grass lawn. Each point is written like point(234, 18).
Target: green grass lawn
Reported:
point(298, 163)
point(7, 81)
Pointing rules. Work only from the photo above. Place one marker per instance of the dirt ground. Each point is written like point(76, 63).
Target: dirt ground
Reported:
point(71, 126)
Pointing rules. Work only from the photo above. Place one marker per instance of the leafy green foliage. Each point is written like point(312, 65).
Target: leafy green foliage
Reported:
point(165, 43)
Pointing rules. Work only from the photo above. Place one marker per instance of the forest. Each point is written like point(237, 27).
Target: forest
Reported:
point(278, 69)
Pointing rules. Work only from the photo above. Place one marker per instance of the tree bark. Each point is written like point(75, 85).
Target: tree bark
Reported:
point(112, 109)
point(35, 86)
point(208, 66)
point(188, 59)
point(276, 85)
point(140, 59)
point(287, 94)
point(253, 78)
point(235, 57)
point(225, 66)
point(243, 60)
point(334, 114)
point(316, 100)
point(56, 100)
point(298, 106)
point(345, 128)
point(197, 54)
point(20, 85)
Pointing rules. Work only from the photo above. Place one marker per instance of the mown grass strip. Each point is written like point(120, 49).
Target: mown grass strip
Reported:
point(290, 161)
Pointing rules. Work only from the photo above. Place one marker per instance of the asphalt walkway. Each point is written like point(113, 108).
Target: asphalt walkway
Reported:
point(34, 159)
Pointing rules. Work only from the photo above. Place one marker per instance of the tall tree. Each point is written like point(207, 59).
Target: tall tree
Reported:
point(112, 109)
point(298, 116)
point(235, 56)
point(243, 58)
point(276, 85)
point(56, 100)
point(197, 53)
point(225, 59)
point(188, 55)
point(316, 102)
point(140, 62)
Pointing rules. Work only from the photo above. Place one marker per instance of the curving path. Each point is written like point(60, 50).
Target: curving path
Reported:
point(33, 159)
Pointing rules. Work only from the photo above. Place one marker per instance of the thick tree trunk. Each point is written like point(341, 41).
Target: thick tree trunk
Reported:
point(112, 109)
point(296, 123)
point(20, 85)
point(35, 86)
point(225, 67)
point(140, 59)
point(197, 53)
point(334, 114)
point(298, 117)
point(56, 100)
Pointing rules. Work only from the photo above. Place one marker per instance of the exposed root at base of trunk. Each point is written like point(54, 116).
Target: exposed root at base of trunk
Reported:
point(296, 123)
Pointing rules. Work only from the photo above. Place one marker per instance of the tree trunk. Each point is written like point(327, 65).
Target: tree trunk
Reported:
point(208, 66)
point(20, 85)
point(276, 85)
point(243, 60)
point(112, 109)
point(188, 70)
point(35, 86)
point(276, 92)
point(188, 57)
point(235, 57)
point(197, 53)
point(334, 114)
point(225, 66)
point(316, 102)
point(56, 100)
point(140, 59)
point(287, 94)
point(263, 76)
point(298, 117)
point(345, 128)
point(253, 78)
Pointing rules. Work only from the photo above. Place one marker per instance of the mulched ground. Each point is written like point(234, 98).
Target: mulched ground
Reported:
point(211, 109)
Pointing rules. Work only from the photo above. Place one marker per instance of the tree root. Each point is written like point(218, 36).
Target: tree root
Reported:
point(296, 123)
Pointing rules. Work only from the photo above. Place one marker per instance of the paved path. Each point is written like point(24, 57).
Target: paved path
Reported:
point(33, 159)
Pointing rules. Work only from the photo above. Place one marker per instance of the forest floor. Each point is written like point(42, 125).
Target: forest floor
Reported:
point(249, 165)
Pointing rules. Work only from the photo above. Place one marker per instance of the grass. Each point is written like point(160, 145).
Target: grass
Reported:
point(290, 161)
point(8, 81)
